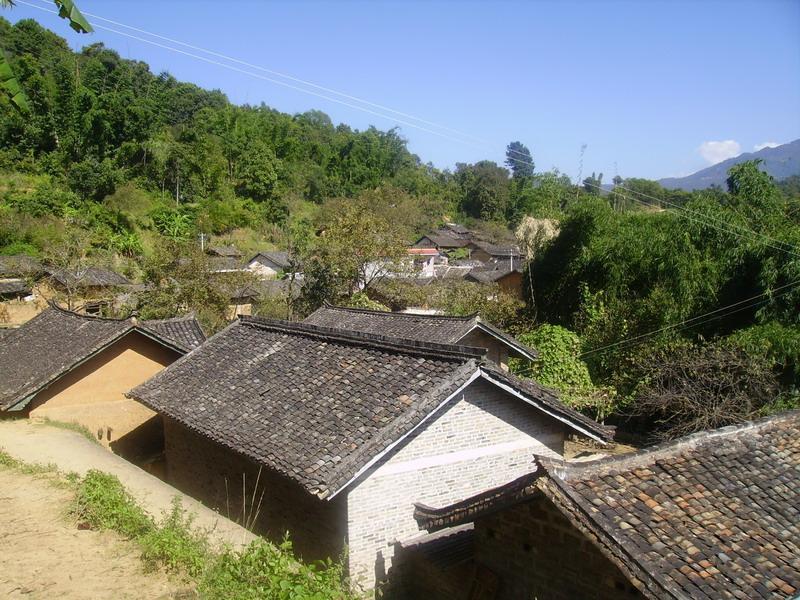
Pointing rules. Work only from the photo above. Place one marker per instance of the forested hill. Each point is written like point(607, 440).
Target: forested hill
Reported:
point(98, 120)
point(781, 162)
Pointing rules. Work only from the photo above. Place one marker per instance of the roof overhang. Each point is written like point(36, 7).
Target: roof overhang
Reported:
point(545, 409)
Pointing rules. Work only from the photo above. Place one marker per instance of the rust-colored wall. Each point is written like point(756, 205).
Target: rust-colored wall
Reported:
point(214, 475)
point(93, 394)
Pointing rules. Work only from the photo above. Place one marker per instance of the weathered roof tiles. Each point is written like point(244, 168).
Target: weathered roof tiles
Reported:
point(318, 404)
point(432, 328)
point(55, 341)
point(713, 515)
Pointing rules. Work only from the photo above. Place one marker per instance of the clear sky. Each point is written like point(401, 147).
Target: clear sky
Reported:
point(654, 88)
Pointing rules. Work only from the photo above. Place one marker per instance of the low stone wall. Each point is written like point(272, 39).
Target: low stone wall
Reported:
point(221, 479)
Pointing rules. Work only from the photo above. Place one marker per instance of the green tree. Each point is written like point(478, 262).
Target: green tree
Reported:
point(519, 160)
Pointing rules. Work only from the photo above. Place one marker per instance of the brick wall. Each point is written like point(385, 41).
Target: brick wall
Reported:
point(537, 553)
point(484, 439)
point(214, 475)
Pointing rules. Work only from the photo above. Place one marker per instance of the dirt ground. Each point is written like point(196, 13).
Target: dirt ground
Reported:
point(45, 555)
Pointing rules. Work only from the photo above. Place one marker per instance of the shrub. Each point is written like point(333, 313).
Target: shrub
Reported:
point(263, 570)
point(103, 503)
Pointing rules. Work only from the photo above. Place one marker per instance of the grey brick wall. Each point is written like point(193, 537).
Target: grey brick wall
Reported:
point(214, 475)
point(485, 438)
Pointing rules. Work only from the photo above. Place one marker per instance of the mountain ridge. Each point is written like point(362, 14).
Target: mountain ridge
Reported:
point(780, 161)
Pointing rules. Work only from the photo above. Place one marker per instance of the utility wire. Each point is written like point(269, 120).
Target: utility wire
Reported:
point(694, 321)
point(706, 219)
point(276, 81)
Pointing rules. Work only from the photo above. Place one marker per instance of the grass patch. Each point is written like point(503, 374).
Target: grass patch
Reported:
point(261, 570)
point(102, 502)
point(9, 462)
point(71, 426)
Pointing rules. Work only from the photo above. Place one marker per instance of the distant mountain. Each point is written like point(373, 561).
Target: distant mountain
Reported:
point(780, 162)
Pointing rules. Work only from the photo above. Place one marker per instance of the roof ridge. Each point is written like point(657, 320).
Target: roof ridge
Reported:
point(572, 470)
point(187, 317)
point(403, 345)
point(55, 305)
point(370, 311)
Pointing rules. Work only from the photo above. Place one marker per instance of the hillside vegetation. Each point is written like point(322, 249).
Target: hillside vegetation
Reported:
point(666, 310)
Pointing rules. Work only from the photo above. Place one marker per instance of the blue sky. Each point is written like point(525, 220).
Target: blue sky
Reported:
point(654, 89)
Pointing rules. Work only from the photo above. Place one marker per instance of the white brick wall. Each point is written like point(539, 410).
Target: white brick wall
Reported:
point(483, 439)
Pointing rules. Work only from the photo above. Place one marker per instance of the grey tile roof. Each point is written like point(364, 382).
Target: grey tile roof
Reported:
point(489, 276)
point(228, 251)
point(184, 332)
point(432, 328)
point(54, 342)
point(713, 515)
point(496, 249)
point(14, 287)
point(279, 259)
point(443, 240)
point(20, 265)
point(89, 277)
point(312, 403)
point(221, 264)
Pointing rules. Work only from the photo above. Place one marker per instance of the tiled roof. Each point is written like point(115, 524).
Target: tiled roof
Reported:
point(486, 276)
point(14, 286)
point(713, 515)
point(183, 332)
point(229, 251)
point(89, 277)
point(54, 342)
point(431, 328)
point(222, 264)
point(444, 240)
point(313, 403)
point(279, 259)
point(19, 265)
point(496, 249)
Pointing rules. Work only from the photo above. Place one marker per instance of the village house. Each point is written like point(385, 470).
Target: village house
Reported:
point(440, 329)
point(424, 261)
point(489, 253)
point(270, 265)
point(76, 368)
point(712, 515)
point(336, 434)
point(508, 279)
point(444, 241)
point(19, 301)
point(88, 289)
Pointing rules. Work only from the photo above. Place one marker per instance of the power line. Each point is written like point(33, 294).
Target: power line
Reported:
point(276, 81)
point(695, 321)
point(708, 220)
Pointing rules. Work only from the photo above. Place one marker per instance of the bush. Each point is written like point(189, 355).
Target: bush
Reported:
point(175, 544)
point(559, 366)
point(264, 570)
point(103, 503)
point(687, 388)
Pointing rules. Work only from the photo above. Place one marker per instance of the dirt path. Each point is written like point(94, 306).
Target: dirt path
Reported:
point(70, 452)
point(45, 556)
